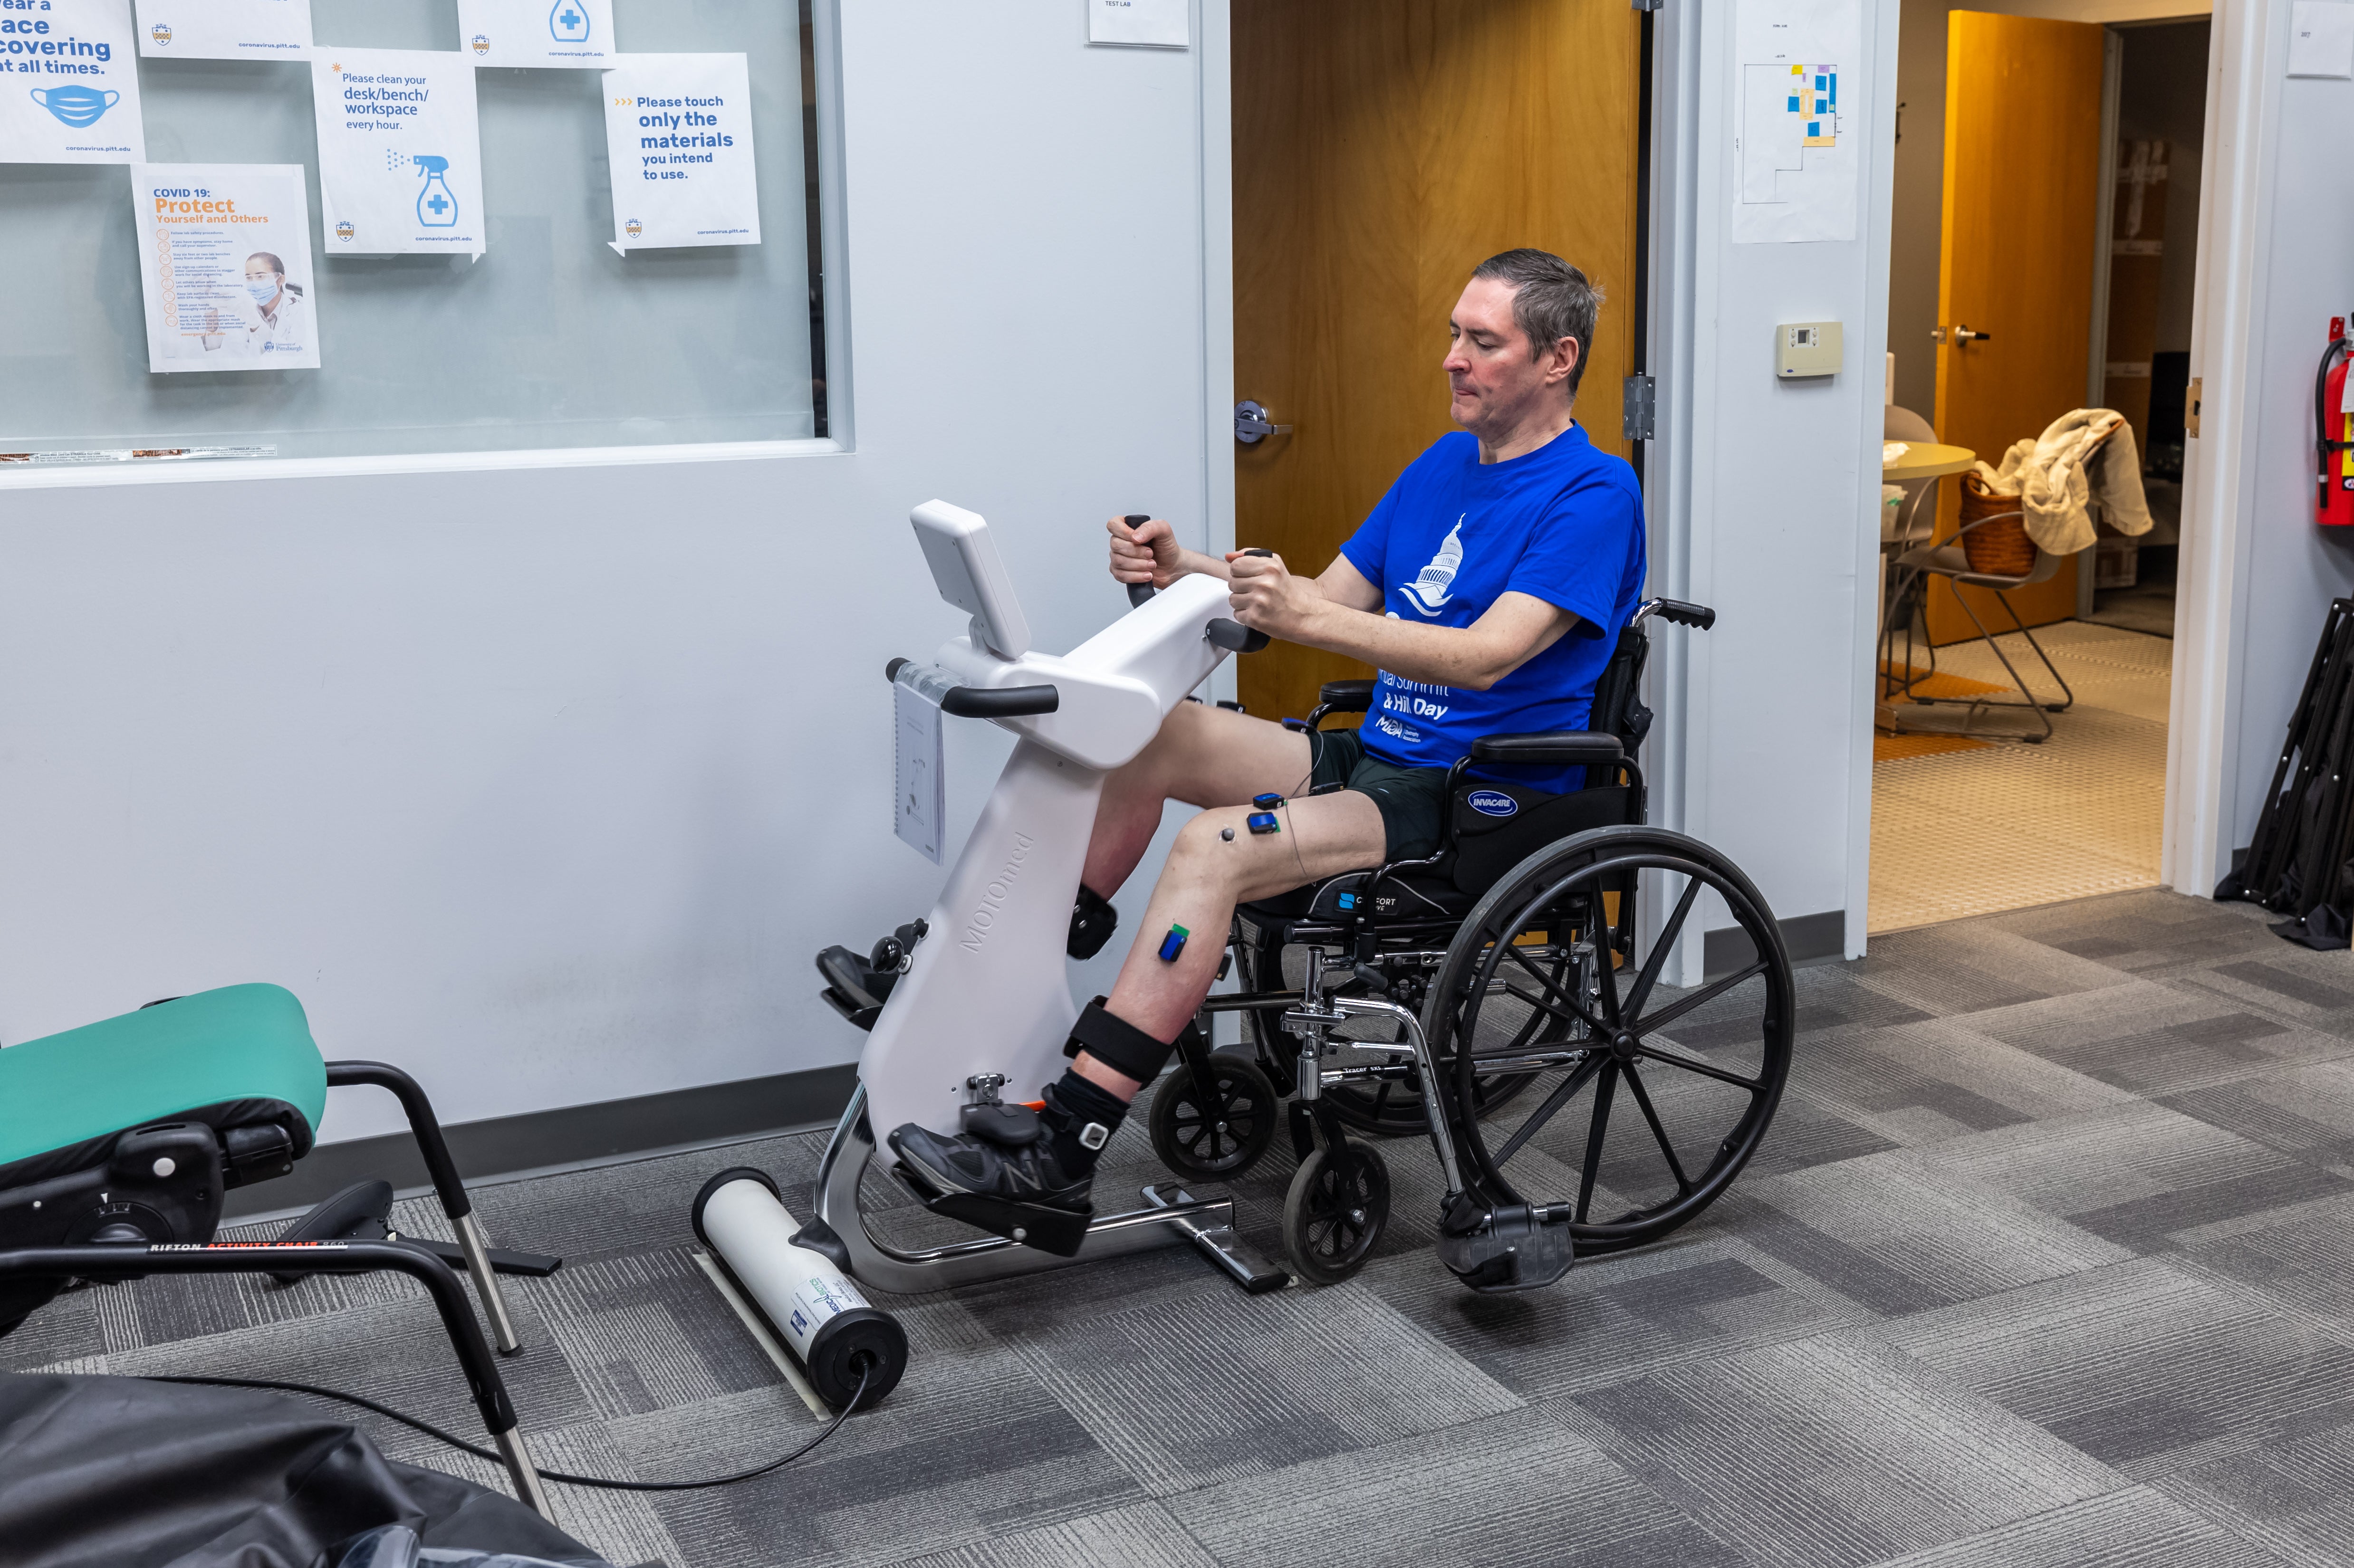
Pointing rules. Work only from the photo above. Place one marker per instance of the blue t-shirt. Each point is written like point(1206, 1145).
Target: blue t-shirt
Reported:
point(1563, 524)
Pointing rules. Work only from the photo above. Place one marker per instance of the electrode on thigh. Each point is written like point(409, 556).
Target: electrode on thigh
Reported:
point(1263, 822)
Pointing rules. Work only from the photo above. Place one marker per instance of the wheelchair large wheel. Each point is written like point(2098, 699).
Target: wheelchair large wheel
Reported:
point(1390, 1108)
point(1663, 1094)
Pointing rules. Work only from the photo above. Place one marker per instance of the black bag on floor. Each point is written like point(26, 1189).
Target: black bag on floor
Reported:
point(2301, 860)
point(116, 1472)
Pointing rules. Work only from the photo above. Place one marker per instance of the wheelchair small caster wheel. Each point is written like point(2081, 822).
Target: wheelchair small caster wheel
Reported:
point(1333, 1216)
point(1220, 1135)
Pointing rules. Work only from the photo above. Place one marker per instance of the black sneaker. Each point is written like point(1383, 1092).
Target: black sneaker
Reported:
point(970, 1164)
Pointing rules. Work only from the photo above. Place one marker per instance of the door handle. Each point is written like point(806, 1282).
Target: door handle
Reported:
point(1252, 426)
point(1964, 334)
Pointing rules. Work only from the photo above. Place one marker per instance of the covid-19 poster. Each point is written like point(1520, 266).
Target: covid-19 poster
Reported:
point(225, 258)
point(69, 83)
point(224, 29)
point(400, 151)
point(678, 137)
point(559, 34)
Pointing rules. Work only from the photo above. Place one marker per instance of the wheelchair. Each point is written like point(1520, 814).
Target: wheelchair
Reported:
point(1505, 997)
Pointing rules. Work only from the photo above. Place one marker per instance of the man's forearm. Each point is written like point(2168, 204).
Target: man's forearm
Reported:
point(1208, 566)
point(1440, 655)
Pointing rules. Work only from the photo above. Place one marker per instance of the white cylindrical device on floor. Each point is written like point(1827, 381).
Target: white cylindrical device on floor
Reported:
point(821, 1317)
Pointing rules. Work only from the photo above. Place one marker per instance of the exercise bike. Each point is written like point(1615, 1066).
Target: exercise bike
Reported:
point(1431, 994)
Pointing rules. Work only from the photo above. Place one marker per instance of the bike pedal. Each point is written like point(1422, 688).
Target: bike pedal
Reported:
point(1517, 1249)
point(1057, 1231)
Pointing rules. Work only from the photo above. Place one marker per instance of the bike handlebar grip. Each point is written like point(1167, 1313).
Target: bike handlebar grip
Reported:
point(1235, 637)
point(1000, 702)
point(891, 671)
point(1683, 614)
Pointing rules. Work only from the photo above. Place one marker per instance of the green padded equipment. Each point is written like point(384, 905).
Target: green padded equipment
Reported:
point(241, 1043)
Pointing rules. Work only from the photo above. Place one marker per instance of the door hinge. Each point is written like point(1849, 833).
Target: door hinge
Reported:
point(2190, 406)
point(1641, 409)
point(1650, 5)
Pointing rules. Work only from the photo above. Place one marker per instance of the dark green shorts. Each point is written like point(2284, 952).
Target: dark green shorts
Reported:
point(1413, 801)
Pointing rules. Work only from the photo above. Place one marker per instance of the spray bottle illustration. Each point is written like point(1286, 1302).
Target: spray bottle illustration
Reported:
point(436, 208)
point(567, 22)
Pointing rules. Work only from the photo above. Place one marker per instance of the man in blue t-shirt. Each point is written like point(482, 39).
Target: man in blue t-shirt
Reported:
point(1487, 588)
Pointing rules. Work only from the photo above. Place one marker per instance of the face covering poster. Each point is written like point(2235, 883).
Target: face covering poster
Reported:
point(69, 83)
point(678, 137)
point(225, 256)
point(400, 158)
point(224, 29)
point(544, 33)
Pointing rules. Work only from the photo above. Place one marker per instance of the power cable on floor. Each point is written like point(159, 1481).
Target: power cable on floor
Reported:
point(603, 1483)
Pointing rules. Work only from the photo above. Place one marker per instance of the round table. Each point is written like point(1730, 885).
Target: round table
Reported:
point(1926, 460)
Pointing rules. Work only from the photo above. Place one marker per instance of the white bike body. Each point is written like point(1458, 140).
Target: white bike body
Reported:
point(988, 989)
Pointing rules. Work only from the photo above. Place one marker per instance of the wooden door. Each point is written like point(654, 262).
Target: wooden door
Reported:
point(1383, 149)
point(2022, 207)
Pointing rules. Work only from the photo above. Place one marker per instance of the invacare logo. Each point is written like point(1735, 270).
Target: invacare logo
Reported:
point(1491, 803)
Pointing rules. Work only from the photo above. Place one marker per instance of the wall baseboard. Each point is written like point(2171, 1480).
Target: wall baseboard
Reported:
point(1808, 939)
point(571, 1136)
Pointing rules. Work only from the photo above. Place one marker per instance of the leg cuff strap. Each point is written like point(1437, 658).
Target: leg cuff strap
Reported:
point(1118, 1043)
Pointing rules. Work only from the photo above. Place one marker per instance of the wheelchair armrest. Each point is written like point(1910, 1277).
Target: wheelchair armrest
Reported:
point(1346, 696)
point(1557, 747)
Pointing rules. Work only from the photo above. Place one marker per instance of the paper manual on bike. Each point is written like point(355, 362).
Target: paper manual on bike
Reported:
point(922, 792)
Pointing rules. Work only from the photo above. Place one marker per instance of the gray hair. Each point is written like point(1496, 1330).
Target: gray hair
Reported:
point(1553, 300)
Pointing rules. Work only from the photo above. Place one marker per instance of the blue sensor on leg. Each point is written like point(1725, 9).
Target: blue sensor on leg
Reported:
point(1173, 944)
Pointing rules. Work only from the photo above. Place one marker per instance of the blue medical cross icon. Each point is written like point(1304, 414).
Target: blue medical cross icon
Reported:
point(570, 18)
point(437, 206)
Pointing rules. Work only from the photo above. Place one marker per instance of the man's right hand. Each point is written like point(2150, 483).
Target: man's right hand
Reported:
point(1147, 553)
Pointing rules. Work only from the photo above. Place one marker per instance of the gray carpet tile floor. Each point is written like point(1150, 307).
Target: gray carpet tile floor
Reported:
point(2048, 1259)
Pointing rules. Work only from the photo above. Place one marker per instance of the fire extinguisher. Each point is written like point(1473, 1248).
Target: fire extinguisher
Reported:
point(2333, 433)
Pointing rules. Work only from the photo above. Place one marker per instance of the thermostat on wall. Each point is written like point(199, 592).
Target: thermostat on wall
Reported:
point(1806, 348)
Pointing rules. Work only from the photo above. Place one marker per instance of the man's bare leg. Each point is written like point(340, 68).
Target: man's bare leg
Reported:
point(1216, 863)
point(1202, 755)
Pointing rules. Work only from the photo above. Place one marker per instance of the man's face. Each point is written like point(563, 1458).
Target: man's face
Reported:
point(1495, 382)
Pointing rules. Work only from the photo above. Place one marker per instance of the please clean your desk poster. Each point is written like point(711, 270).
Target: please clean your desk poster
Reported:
point(400, 151)
point(69, 83)
point(678, 137)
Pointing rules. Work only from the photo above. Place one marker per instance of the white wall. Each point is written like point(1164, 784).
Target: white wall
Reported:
point(547, 783)
point(2282, 570)
point(1764, 494)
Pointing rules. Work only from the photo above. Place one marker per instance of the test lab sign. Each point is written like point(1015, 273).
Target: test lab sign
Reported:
point(69, 83)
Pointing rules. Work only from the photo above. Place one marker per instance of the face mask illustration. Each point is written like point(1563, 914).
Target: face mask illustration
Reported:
point(77, 106)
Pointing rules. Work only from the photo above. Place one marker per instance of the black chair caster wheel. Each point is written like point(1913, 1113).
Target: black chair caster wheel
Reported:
point(1334, 1213)
point(1215, 1135)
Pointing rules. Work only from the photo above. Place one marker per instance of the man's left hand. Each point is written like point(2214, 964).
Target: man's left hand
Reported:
point(1267, 598)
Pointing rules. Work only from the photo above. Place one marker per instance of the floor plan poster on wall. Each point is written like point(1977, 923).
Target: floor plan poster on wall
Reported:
point(1794, 140)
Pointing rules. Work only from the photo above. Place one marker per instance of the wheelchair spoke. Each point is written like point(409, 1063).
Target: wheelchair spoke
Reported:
point(1545, 1008)
point(1705, 1069)
point(1565, 999)
point(1669, 1014)
point(1641, 992)
point(1603, 1095)
point(1560, 1096)
point(1643, 1099)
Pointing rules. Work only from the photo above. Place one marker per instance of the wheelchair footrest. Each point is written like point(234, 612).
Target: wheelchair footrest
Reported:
point(1518, 1248)
point(1057, 1231)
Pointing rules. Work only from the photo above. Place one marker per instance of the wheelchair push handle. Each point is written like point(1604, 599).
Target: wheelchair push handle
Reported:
point(988, 702)
point(1697, 616)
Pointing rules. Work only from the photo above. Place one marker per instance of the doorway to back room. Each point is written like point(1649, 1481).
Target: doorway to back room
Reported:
point(2041, 292)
